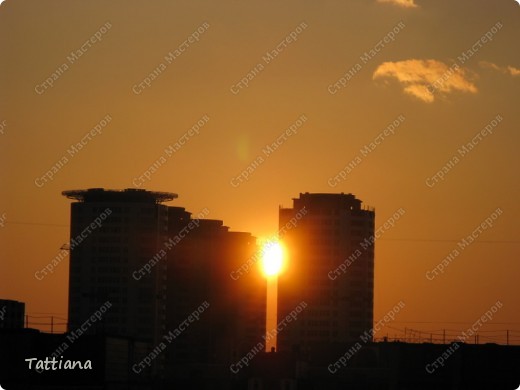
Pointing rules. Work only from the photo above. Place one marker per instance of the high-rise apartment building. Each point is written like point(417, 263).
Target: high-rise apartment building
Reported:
point(164, 277)
point(201, 275)
point(330, 267)
point(114, 235)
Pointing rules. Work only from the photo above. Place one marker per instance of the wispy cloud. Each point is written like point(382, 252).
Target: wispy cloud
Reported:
point(424, 79)
point(401, 3)
point(511, 70)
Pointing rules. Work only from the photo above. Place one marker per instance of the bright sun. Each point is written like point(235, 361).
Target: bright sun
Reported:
point(272, 258)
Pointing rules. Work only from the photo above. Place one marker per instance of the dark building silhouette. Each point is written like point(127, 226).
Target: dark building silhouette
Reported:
point(113, 235)
point(12, 314)
point(389, 366)
point(231, 313)
point(164, 278)
point(382, 366)
point(330, 267)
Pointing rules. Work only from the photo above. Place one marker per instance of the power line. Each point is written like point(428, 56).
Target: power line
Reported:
point(381, 239)
point(454, 322)
point(9, 222)
point(450, 240)
point(410, 335)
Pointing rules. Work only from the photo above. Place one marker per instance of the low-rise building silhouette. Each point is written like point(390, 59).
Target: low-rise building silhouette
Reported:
point(12, 314)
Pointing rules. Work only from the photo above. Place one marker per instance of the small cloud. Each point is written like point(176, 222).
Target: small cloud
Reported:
point(513, 71)
point(400, 3)
point(423, 79)
point(510, 70)
point(489, 65)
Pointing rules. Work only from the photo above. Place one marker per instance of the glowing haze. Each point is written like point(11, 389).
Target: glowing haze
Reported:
point(240, 106)
point(272, 259)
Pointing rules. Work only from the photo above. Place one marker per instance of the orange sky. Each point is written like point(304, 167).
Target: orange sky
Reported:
point(430, 63)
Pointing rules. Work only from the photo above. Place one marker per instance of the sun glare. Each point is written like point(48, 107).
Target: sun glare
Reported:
point(272, 258)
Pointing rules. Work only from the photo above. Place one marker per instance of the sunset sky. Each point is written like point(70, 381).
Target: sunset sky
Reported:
point(373, 98)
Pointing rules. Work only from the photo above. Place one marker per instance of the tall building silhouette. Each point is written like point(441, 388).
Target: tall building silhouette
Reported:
point(114, 233)
point(330, 267)
point(199, 272)
point(168, 279)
